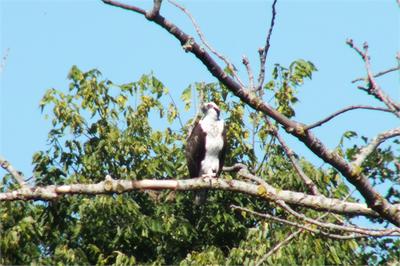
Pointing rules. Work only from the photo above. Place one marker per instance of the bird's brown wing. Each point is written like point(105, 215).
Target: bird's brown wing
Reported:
point(195, 150)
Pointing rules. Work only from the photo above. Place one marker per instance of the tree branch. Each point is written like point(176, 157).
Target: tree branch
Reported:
point(373, 199)
point(304, 227)
point(289, 153)
point(377, 74)
point(341, 111)
point(263, 52)
point(155, 11)
point(125, 6)
point(246, 63)
point(368, 149)
point(14, 173)
point(331, 226)
point(265, 192)
point(373, 87)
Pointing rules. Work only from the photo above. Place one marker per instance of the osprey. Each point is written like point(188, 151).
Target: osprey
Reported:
point(206, 147)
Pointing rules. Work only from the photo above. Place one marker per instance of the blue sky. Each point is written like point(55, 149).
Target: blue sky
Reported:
point(45, 38)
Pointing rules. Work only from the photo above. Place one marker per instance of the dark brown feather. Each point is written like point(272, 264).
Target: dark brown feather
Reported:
point(195, 150)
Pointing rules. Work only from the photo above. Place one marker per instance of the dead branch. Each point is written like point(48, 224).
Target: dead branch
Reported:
point(14, 173)
point(341, 111)
point(290, 154)
point(375, 142)
point(265, 192)
point(377, 74)
point(304, 227)
point(332, 226)
point(263, 52)
point(373, 88)
point(246, 63)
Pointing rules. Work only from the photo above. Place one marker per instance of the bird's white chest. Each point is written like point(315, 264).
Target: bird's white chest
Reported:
point(214, 144)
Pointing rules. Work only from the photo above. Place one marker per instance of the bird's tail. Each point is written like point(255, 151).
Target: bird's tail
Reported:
point(200, 197)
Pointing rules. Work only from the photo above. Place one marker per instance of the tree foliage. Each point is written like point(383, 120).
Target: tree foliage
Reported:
point(100, 128)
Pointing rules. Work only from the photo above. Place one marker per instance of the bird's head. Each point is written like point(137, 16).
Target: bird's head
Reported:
point(211, 109)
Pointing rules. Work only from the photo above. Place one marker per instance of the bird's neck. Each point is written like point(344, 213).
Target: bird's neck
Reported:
point(211, 116)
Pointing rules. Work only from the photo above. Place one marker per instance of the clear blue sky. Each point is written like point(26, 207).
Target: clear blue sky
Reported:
point(45, 38)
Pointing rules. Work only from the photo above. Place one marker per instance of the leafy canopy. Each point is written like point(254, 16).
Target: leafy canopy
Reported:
point(101, 128)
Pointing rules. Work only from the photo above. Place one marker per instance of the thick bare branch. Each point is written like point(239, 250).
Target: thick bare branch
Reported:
point(263, 52)
point(341, 111)
point(373, 199)
point(265, 192)
point(9, 168)
point(377, 74)
point(373, 88)
point(375, 142)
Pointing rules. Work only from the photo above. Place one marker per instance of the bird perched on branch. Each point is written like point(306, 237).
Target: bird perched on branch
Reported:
point(206, 147)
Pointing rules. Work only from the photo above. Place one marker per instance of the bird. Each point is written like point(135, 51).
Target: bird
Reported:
point(206, 147)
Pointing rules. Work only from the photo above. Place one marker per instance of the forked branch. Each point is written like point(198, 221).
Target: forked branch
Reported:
point(373, 88)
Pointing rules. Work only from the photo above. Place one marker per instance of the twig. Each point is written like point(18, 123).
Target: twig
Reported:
point(373, 87)
point(179, 115)
point(378, 74)
point(290, 154)
point(246, 63)
point(231, 67)
point(197, 115)
point(331, 226)
point(14, 173)
point(304, 227)
point(368, 149)
point(263, 52)
point(341, 111)
point(125, 6)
